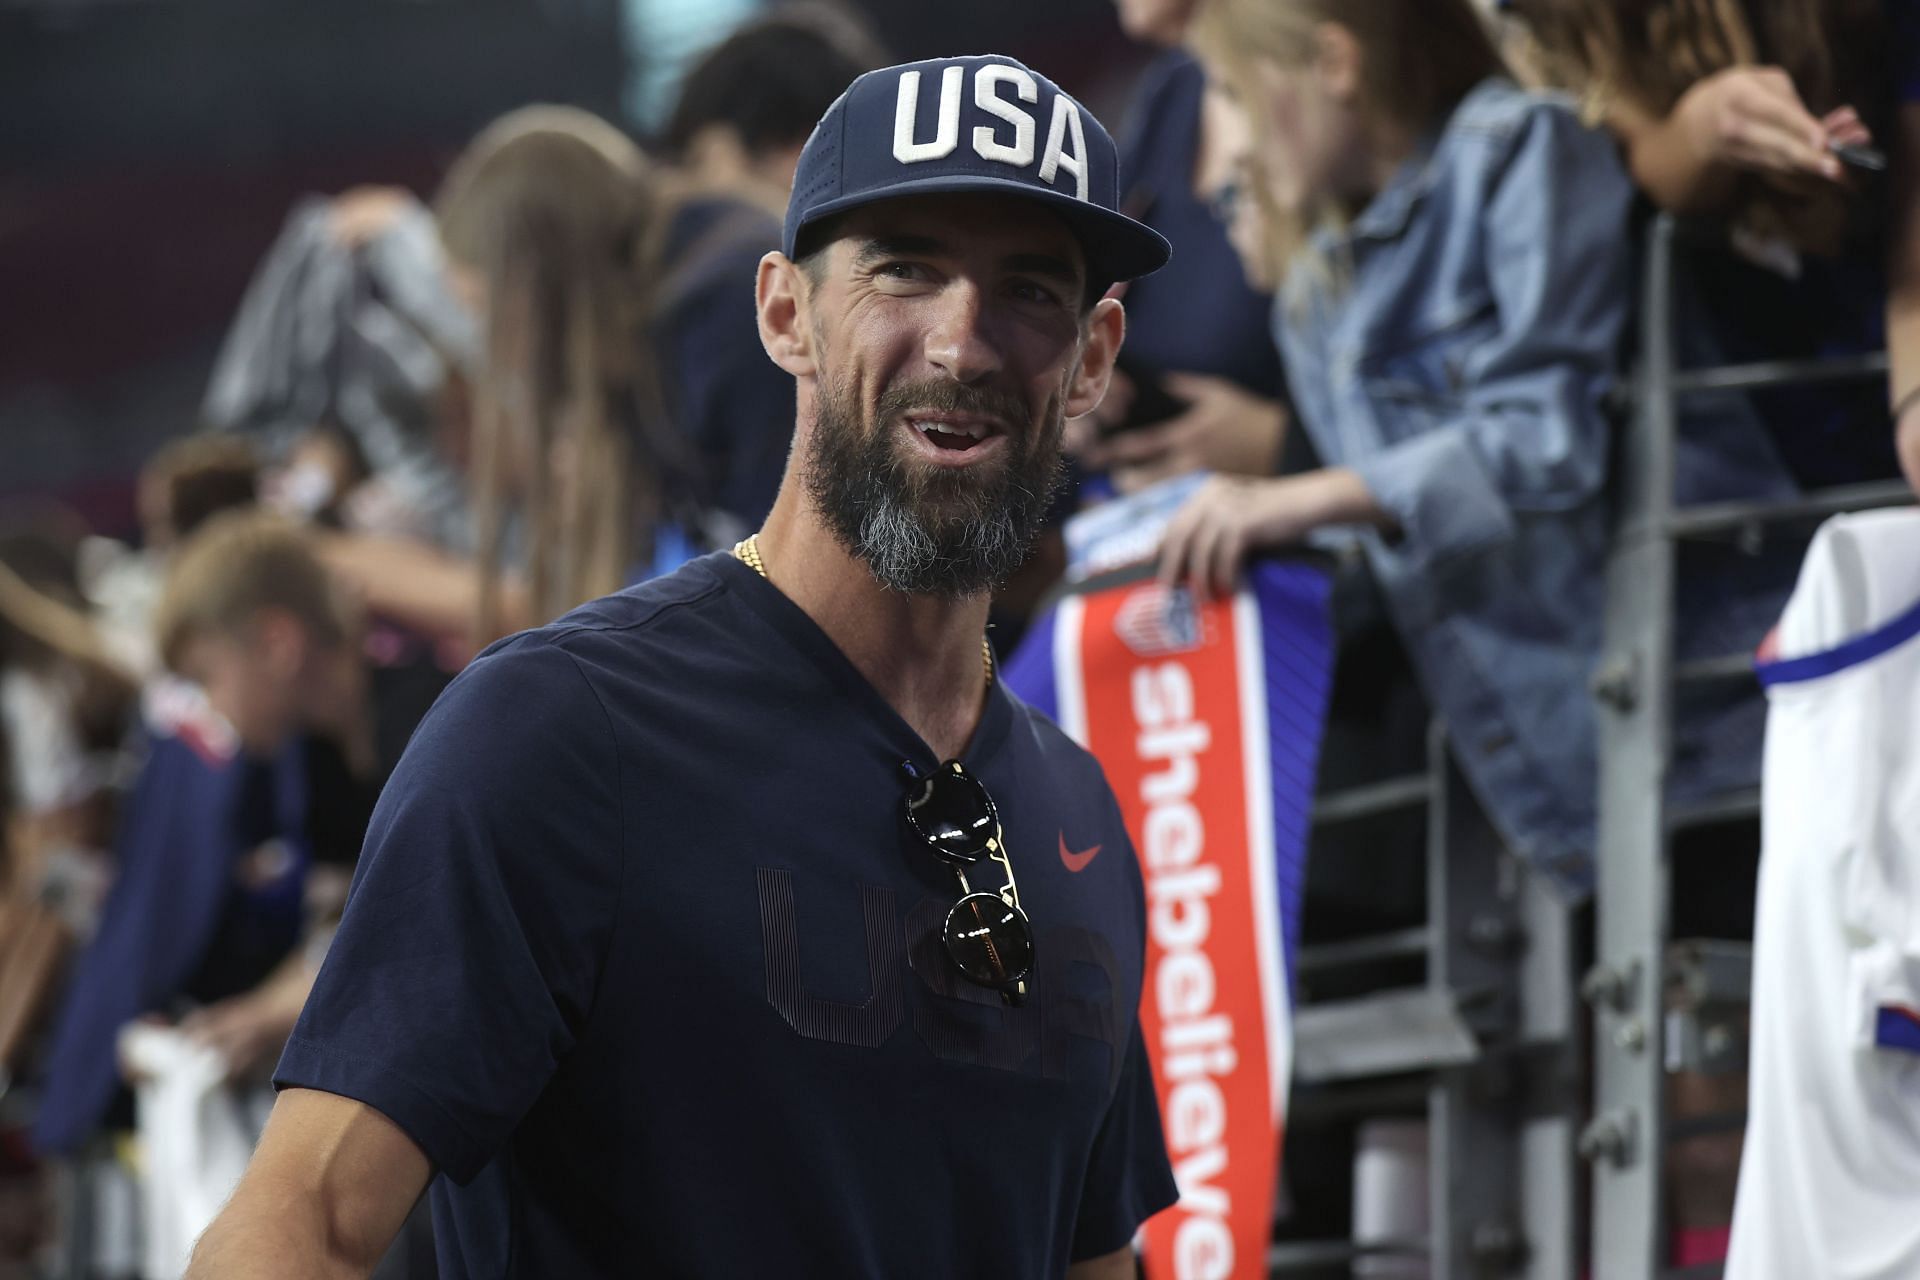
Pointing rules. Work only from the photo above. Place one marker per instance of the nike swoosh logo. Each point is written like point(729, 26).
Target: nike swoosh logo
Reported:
point(1075, 861)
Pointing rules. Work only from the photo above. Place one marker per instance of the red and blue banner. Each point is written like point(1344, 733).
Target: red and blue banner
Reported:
point(1207, 720)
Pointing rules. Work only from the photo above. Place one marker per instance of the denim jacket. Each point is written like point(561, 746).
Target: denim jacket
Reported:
point(1454, 352)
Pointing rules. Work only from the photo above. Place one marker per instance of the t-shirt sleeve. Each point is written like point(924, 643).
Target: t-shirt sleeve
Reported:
point(471, 947)
point(1128, 1178)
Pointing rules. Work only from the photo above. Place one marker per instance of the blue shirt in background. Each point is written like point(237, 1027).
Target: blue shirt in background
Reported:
point(211, 873)
point(729, 403)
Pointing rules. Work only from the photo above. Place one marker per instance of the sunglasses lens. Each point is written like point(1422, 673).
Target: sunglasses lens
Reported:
point(989, 940)
point(952, 813)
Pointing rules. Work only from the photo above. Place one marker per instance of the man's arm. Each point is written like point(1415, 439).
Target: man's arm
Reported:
point(1117, 1265)
point(328, 1188)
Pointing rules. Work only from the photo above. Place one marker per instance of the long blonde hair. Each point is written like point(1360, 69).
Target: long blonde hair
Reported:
point(553, 209)
point(1419, 58)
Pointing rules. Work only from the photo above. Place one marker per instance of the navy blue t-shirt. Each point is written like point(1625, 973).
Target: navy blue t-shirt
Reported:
point(641, 956)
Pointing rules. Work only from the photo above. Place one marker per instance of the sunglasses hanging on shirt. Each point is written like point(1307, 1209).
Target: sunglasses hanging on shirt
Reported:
point(987, 935)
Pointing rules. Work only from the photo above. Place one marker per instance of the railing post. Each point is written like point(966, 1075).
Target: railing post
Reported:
point(1634, 693)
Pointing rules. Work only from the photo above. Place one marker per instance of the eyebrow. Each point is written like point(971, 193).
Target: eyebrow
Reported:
point(880, 248)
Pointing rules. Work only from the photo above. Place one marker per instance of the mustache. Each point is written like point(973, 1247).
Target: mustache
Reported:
point(947, 396)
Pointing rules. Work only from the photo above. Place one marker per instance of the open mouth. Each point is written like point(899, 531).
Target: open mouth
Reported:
point(953, 435)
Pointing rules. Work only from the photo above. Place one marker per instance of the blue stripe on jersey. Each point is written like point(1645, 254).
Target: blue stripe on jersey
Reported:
point(1862, 648)
point(1897, 1027)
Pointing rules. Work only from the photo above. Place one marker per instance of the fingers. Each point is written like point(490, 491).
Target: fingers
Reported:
point(1173, 548)
point(1844, 126)
point(1767, 126)
point(1223, 559)
point(1205, 544)
point(1195, 386)
point(1142, 444)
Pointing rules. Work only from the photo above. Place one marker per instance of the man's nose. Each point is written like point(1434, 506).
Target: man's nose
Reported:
point(960, 343)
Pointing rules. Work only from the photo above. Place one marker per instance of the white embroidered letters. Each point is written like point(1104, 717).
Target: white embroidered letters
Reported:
point(1066, 117)
point(1066, 136)
point(984, 97)
point(946, 136)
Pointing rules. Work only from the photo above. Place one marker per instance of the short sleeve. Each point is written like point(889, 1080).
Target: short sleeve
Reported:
point(1128, 1178)
point(470, 950)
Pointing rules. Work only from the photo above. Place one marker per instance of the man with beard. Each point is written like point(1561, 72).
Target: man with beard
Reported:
point(742, 923)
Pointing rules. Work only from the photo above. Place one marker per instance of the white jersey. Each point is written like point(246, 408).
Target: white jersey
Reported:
point(1830, 1179)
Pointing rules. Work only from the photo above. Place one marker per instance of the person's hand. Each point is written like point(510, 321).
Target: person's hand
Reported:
point(1906, 438)
point(1844, 126)
point(363, 214)
point(249, 1031)
point(1228, 518)
point(1752, 119)
point(1224, 428)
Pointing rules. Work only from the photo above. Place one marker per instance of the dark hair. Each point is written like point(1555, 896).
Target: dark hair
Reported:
point(204, 475)
point(772, 80)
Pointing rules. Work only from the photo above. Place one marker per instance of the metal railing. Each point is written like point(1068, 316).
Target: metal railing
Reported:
point(1629, 1132)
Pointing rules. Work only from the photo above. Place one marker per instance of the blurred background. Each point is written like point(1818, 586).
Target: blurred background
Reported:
point(150, 151)
point(479, 364)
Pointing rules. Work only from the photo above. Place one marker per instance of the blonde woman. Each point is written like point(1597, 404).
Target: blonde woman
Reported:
point(1452, 255)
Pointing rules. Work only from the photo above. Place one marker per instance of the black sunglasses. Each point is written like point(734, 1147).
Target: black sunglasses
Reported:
point(987, 936)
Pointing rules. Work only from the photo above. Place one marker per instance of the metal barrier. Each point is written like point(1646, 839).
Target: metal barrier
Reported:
point(1628, 1135)
point(1485, 1045)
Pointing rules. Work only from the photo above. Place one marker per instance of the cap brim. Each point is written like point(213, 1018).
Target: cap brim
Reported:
point(1117, 247)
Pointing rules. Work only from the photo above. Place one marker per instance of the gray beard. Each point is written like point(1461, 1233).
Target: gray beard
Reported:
point(947, 534)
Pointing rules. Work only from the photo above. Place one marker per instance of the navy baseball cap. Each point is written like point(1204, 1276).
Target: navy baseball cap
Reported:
point(984, 124)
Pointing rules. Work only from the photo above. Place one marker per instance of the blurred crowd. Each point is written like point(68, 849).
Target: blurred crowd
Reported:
point(1396, 326)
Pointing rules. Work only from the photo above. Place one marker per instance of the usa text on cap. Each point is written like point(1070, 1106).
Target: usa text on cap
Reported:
point(982, 123)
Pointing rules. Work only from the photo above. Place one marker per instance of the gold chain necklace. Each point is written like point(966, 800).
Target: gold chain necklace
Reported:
point(748, 553)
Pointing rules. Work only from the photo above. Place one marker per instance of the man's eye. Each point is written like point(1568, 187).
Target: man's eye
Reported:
point(1030, 291)
point(901, 271)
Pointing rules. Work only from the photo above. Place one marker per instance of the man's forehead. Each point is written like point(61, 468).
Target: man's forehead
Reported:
point(991, 225)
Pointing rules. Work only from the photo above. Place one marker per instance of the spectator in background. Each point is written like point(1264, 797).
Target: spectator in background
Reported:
point(351, 323)
point(320, 478)
point(205, 920)
point(575, 479)
point(1455, 292)
point(1736, 116)
point(1202, 334)
point(64, 703)
point(185, 483)
point(744, 112)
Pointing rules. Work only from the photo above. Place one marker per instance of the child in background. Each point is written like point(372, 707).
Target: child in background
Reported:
point(208, 916)
point(187, 482)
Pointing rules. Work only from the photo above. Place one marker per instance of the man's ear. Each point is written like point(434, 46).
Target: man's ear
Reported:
point(786, 331)
point(1106, 329)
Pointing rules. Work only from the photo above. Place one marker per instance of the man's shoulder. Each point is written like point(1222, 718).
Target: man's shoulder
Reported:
point(661, 625)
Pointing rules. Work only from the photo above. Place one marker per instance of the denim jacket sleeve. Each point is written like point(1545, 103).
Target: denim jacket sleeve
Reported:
point(1526, 432)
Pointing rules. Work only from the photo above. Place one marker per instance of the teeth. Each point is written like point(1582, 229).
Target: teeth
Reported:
point(969, 430)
